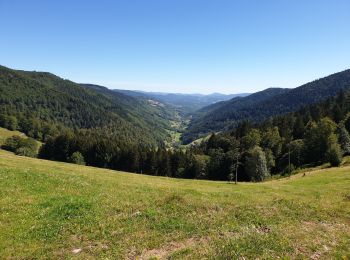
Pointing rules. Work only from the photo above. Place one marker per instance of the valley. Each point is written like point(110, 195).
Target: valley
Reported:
point(163, 130)
point(192, 136)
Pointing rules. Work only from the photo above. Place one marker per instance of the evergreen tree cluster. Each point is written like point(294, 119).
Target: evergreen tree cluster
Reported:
point(91, 125)
point(106, 151)
point(21, 146)
point(311, 136)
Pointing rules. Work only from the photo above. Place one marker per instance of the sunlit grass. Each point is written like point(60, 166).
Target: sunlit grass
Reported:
point(58, 210)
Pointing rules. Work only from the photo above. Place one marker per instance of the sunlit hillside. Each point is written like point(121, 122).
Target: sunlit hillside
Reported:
point(59, 210)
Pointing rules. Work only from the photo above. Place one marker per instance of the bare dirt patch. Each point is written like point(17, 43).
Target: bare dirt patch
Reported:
point(166, 250)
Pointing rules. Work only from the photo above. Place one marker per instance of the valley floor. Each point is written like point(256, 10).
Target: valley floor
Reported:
point(58, 210)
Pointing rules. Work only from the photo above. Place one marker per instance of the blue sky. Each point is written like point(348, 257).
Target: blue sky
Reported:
point(178, 45)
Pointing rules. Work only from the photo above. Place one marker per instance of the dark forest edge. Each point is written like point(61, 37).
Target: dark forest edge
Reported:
point(313, 135)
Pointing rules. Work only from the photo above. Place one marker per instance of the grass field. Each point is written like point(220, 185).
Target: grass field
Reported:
point(56, 210)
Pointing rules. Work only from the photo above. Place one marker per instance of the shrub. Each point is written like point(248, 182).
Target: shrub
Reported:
point(12, 143)
point(287, 171)
point(77, 158)
point(26, 151)
point(334, 155)
point(21, 146)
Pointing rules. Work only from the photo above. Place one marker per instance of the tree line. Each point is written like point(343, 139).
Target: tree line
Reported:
point(313, 135)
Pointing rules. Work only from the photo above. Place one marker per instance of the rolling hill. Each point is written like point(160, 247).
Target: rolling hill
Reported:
point(264, 104)
point(35, 98)
point(59, 210)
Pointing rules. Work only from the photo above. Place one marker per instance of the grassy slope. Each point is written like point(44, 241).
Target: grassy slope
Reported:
point(4, 134)
point(49, 209)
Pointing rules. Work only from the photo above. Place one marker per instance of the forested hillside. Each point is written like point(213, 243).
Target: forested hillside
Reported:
point(42, 105)
point(92, 125)
point(261, 105)
point(208, 118)
point(314, 135)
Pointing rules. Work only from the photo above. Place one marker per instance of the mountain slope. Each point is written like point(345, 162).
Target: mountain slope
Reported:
point(210, 118)
point(43, 97)
point(154, 114)
point(254, 108)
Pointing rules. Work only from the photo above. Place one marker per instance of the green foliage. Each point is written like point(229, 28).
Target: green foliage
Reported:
point(334, 154)
point(251, 140)
point(41, 105)
point(224, 142)
point(77, 158)
point(306, 137)
point(103, 128)
point(296, 152)
point(272, 140)
point(26, 151)
point(289, 170)
point(318, 140)
point(344, 139)
point(270, 159)
point(9, 122)
point(270, 102)
point(256, 167)
point(347, 121)
point(21, 146)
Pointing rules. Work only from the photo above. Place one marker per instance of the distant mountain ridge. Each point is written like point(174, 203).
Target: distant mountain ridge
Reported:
point(264, 104)
point(188, 103)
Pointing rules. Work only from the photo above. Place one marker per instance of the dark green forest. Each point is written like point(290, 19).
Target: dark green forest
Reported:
point(312, 136)
point(92, 125)
point(261, 105)
point(43, 105)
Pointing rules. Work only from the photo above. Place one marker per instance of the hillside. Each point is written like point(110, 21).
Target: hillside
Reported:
point(47, 101)
point(58, 210)
point(203, 122)
point(264, 104)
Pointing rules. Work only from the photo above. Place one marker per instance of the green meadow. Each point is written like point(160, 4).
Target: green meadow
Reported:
point(51, 210)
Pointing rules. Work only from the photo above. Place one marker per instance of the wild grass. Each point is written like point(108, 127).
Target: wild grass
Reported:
point(58, 210)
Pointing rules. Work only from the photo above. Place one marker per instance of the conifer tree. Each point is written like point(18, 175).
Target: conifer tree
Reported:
point(344, 139)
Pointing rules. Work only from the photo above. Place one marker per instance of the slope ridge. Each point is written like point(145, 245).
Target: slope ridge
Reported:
point(228, 114)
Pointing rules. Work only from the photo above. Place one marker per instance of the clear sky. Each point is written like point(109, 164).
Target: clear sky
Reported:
point(185, 46)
